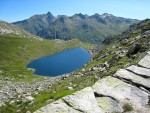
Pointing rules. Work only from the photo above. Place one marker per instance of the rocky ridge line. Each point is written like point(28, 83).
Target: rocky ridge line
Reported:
point(110, 94)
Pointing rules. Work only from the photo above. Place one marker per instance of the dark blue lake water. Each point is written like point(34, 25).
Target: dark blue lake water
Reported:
point(60, 63)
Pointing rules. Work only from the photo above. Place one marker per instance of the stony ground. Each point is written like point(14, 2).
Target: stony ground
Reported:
point(127, 90)
point(23, 91)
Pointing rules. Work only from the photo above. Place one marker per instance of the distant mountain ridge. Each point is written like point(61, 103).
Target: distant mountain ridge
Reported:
point(86, 28)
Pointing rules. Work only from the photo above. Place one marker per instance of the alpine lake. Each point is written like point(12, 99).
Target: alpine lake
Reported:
point(60, 63)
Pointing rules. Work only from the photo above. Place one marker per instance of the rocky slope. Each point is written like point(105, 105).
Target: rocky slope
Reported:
point(128, 86)
point(12, 30)
point(86, 28)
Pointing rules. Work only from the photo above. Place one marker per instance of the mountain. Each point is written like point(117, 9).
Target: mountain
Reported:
point(86, 28)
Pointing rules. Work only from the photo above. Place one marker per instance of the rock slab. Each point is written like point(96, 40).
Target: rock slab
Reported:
point(121, 91)
point(136, 79)
point(139, 70)
point(145, 62)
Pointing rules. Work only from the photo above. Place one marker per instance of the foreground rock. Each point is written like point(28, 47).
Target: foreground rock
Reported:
point(84, 101)
point(81, 101)
point(107, 95)
point(57, 107)
point(122, 73)
point(121, 91)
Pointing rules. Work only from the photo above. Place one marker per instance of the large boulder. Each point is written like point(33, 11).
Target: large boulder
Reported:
point(134, 49)
point(121, 91)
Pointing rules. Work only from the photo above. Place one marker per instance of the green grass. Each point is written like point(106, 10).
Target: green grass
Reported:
point(127, 107)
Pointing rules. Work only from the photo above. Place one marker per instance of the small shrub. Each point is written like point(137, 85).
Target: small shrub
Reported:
point(127, 107)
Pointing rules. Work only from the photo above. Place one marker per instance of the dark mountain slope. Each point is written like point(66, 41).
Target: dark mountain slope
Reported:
point(132, 31)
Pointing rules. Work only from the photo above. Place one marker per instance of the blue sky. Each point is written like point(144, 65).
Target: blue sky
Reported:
point(15, 10)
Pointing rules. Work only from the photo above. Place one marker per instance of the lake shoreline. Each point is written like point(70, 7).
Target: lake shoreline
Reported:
point(63, 62)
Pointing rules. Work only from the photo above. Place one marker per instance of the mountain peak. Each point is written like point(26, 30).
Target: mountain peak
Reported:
point(48, 18)
point(96, 14)
point(49, 14)
point(97, 17)
point(106, 15)
point(82, 16)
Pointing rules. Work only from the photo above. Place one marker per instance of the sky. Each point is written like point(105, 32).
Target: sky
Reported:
point(16, 10)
